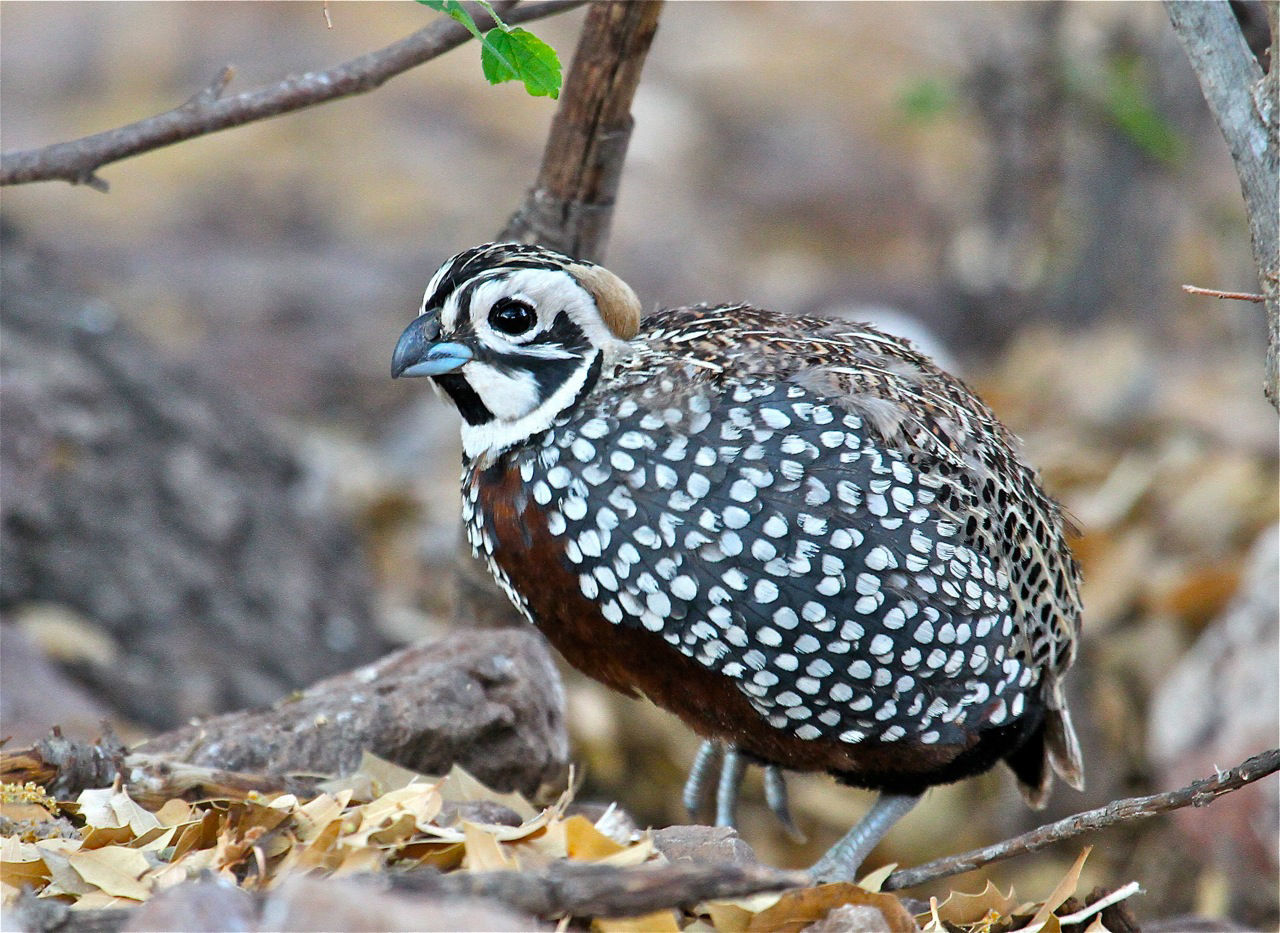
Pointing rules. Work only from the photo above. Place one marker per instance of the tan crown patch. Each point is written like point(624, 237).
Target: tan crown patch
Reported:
point(618, 304)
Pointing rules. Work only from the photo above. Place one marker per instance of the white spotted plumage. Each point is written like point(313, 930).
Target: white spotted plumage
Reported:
point(807, 508)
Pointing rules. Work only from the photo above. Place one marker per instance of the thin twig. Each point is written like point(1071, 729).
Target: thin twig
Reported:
point(1197, 794)
point(1101, 904)
point(1216, 293)
point(570, 207)
point(77, 161)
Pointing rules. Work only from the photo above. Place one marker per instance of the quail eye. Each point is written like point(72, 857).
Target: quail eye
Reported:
point(512, 317)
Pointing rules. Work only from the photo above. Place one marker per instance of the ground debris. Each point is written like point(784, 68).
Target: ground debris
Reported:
point(420, 851)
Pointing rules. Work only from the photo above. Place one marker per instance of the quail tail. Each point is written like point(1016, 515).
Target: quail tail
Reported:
point(1052, 749)
point(1060, 737)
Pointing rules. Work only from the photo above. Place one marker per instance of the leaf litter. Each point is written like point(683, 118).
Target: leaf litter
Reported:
point(386, 818)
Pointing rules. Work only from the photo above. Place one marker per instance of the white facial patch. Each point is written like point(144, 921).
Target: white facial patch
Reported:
point(493, 437)
point(435, 283)
point(509, 394)
point(550, 292)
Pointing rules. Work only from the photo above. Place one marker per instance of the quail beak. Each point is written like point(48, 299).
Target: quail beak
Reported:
point(417, 354)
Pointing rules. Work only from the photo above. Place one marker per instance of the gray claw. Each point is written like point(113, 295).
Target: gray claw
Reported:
point(843, 859)
point(775, 795)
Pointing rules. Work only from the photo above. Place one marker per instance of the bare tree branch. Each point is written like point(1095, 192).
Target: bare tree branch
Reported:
point(568, 889)
point(570, 208)
point(207, 111)
point(1197, 794)
point(1244, 103)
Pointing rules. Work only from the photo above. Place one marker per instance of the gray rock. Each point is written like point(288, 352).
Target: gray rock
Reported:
point(490, 700)
point(703, 844)
point(305, 903)
point(197, 907)
point(853, 918)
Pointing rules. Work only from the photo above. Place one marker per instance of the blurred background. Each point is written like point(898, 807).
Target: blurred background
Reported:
point(231, 499)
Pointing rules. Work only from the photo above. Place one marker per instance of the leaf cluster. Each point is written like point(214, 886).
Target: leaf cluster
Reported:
point(386, 818)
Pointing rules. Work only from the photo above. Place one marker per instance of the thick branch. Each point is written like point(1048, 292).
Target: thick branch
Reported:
point(1197, 794)
point(571, 206)
point(1244, 104)
point(207, 112)
point(563, 889)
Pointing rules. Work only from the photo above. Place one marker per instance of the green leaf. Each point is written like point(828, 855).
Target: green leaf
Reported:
point(508, 54)
point(925, 99)
point(455, 10)
point(1129, 105)
point(517, 55)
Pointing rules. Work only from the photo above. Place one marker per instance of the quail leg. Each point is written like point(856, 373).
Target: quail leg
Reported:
point(843, 859)
point(728, 775)
point(732, 769)
point(727, 767)
point(701, 771)
point(775, 795)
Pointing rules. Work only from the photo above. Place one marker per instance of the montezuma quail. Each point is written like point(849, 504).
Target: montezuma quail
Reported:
point(800, 536)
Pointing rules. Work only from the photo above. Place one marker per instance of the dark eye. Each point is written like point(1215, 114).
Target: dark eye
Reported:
point(512, 317)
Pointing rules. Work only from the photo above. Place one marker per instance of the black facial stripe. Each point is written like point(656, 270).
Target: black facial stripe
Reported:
point(566, 332)
point(470, 406)
point(464, 299)
point(593, 376)
point(549, 374)
point(473, 263)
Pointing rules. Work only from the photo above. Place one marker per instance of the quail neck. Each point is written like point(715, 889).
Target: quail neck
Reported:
point(801, 536)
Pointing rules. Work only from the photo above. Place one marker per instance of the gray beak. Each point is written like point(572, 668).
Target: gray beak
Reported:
point(418, 354)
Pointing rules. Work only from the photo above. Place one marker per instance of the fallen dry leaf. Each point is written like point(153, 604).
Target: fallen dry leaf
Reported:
point(21, 863)
point(106, 808)
point(584, 842)
point(126, 853)
point(1066, 887)
point(662, 921)
point(979, 912)
point(800, 908)
point(114, 870)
